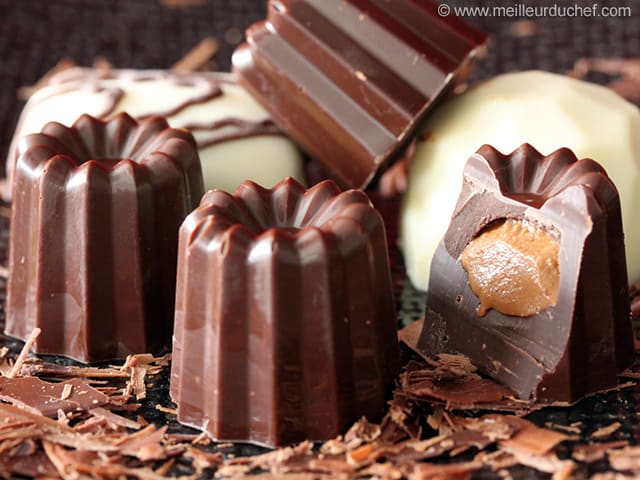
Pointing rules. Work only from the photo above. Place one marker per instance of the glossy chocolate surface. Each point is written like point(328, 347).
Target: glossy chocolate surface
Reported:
point(350, 80)
point(577, 345)
point(94, 235)
point(285, 325)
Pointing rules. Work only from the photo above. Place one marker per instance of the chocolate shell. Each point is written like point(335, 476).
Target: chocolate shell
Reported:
point(285, 325)
point(579, 343)
point(94, 235)
point(350, 80)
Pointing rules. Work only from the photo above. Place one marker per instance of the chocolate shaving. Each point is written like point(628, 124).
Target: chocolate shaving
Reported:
point(606, 431)
point(550, 463)
point(594, 452)
point(532, 440)
point(202, 460)
point(466, 391)
point(114, 419)
point(48, 398)
point(197, 56)
point(573, 428)
point(94, 441)
point(627, 69)
point(170, 411)
point(101, 63)
point(25, 92)
point(395, 179)
point(626, 459)
point(17, 366)
point(449, 471)
point(612, 476)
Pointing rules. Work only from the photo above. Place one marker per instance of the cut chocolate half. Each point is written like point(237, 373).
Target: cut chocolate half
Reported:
point(350, 80)
point(530, 279)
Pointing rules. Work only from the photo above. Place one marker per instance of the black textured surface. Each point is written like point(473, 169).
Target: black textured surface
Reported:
point(36, 34)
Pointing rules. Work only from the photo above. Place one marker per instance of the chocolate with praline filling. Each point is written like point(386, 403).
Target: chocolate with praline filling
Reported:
point(530, 279)
point(350, 80)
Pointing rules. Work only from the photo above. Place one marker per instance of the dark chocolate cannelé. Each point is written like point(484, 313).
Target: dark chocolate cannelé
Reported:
point(285, 325)
point(94, 235)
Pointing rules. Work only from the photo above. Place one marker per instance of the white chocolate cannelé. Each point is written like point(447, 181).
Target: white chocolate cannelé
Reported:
point(236, 138)
point(547, 110)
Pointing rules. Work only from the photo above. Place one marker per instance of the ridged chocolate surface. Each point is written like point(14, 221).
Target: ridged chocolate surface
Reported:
point(285, 326)
point(349, 80)
point(565, 351)
point(94, 235)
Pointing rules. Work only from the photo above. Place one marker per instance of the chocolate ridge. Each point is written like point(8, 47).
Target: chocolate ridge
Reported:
point(94, 235)
point(310, 344)
point(573, 348)
point(354, 98)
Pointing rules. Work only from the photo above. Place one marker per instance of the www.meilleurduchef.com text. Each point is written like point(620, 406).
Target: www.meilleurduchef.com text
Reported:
point(530, 11)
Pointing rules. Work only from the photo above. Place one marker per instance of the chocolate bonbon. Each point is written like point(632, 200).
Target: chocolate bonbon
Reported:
point(285, 325)
point(530, 279)
point(94, 235)
point(350, 80)
point(547, 110)
point(231, 129)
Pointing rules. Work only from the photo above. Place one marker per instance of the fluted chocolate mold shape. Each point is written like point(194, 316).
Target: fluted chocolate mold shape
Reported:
point(576, 346)
point(94, 235)
point(285, 326)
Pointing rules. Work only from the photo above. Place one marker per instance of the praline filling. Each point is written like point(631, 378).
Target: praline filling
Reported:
point(513, 267)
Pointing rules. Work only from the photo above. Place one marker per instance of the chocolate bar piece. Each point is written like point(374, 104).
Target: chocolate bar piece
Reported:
point(284, 326)
point(530, 279)
point(350, 80)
